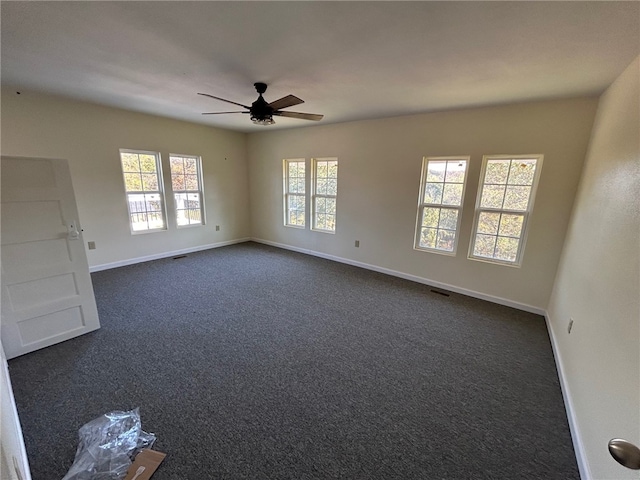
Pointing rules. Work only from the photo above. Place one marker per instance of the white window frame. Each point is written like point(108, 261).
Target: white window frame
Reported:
point(287, 193)
point(315, 196)
point(160, 191)
point(422, 204)
point(525, 213)
point(199, 191)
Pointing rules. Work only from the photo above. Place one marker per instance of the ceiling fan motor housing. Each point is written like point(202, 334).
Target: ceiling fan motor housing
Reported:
point(260, 109)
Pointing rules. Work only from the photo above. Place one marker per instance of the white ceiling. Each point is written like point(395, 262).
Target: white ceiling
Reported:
point(347, 60)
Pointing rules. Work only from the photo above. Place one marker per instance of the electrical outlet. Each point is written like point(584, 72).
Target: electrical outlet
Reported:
point(570, 325)
point(217, 228)
point(92, 245)
point(357, 243)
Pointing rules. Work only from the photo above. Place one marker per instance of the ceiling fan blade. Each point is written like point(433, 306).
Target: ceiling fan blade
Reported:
point(223, 100)
point(301, 116)
point(218, 113)
point(284, 102)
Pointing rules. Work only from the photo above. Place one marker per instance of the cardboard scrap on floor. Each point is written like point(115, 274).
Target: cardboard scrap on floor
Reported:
point(145, 463)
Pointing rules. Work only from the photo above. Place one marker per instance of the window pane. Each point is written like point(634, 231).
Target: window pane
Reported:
point(195, 217)
point(330, 205)
point(191, 182)
point(181, 218)
point(177, 165)
point(522, 172)
point(511, 225)
point(321, 205)
point(132, 182)
point(153, 202)
point(136, 203)
point(321, 186)
point(484, 246)
point(497, 171)
point(130, 162)
point(190, 166)
point(446, 240)
point(452, 194)
point(455, 171)
point(321, 220)
point(333, 170)
point(139, 223)
point(298, 203)
point(428, 237)
point(430, 217)
point(321, 170)
point(492, 196)
point(177, 182)
point(433, 193)
point(180, 199)
point(507, 249)
point(148, 163)
point(436, 171)
point(516, 198)
point(331, 222)
point(448, 219)
point(332, 186)
point(149, 182)
point(488, 223)
point(155, 221)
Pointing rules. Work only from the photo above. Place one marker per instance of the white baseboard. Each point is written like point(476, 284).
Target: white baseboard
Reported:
point(578, 446)
point(413, 278)
point(147, 258)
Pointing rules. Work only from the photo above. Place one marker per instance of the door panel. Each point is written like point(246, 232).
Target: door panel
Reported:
point(47, 295)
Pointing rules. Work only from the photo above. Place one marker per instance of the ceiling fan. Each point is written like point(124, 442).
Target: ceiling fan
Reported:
point(262, 112)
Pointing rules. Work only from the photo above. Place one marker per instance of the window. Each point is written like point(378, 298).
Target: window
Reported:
point(294, 193)
point(440, 204)
point(186, 183)
point(504, 203)
point(325, 191)
point(143, 185)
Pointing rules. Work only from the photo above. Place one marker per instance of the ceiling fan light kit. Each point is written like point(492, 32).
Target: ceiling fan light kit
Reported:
point(261, 112)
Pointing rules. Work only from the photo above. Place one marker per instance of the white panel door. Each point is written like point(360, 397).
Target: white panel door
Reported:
point(13, 456)
point(47, 294)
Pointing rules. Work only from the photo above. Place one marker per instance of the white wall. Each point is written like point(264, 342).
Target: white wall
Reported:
point(90, 137)
point(598, 282)
point(379, 177)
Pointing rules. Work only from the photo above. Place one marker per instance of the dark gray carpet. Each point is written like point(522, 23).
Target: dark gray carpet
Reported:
point(251, 362)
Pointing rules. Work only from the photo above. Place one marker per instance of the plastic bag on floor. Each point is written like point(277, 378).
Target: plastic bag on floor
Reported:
point(107, 446)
